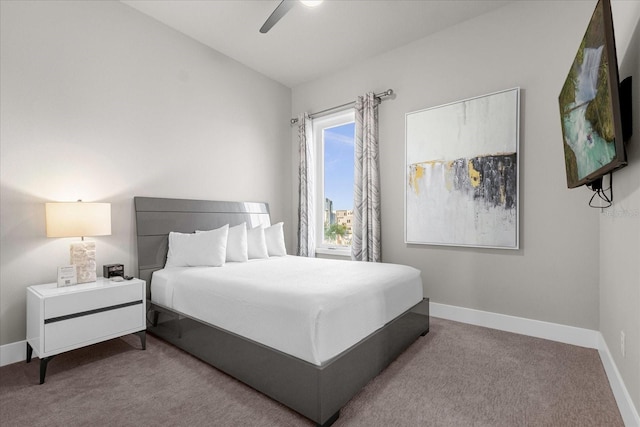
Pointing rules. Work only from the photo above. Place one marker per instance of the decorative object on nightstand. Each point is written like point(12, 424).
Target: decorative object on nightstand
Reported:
point(79, 219)
point(67, 275)
point(67, 318)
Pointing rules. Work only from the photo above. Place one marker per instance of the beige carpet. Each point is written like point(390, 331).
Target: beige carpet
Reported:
point(458, 375)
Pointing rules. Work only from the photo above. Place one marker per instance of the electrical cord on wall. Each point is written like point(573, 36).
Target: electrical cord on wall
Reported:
point(596, 187)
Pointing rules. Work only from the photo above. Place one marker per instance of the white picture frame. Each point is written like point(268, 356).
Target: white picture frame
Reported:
point(462, 173)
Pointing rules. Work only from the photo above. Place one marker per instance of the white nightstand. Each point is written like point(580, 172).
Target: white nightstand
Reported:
point(63, 319)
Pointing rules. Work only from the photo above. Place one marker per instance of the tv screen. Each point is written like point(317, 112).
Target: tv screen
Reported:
point(590, 106)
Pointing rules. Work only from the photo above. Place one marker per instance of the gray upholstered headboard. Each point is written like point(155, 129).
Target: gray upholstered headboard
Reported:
point(156, 217)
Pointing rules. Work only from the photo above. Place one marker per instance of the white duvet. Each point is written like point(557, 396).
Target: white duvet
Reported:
point(310, 308)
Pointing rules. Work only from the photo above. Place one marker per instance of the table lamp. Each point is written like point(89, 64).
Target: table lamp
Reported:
point(79, 219)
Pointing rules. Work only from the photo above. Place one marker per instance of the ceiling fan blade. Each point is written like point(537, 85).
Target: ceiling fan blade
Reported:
point(279, 12)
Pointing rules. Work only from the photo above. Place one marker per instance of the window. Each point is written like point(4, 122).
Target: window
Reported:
point(334, 136)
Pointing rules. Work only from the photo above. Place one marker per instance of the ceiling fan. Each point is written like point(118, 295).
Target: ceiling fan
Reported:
point(282, 9)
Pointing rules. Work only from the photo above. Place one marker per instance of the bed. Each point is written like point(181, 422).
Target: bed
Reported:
point(291, 339)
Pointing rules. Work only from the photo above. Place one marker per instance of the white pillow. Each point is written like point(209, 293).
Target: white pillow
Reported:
point(274, 237)
point(237, 243)
point(207, 248)
point(256, 243)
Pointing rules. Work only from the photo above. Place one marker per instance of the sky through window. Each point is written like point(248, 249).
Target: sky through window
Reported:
point(338, 165)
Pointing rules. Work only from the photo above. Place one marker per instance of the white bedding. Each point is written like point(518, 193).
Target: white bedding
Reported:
point(310, 308)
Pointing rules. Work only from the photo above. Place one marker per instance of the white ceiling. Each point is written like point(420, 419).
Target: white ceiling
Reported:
point(308, 43)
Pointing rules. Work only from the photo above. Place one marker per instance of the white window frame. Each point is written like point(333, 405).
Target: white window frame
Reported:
point(319, 125)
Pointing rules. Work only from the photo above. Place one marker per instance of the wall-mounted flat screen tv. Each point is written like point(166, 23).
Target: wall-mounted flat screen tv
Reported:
point(590, 105)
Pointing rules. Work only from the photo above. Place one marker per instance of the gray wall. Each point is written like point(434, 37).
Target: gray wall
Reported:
point(102, 103)
point(556, 275)
point(620, 225)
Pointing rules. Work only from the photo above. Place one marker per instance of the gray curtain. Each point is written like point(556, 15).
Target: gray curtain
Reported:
point(365, 244)
point(306, 220)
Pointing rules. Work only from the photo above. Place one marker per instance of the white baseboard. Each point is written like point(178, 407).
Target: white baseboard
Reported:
point(554, 332)
point(13, 352)
point(519, 325)
point(625, 404)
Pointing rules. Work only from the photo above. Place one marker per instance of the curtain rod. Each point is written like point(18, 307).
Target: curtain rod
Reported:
point(380, 95)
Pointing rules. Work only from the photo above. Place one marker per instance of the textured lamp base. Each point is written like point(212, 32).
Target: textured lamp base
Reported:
point(83, 256)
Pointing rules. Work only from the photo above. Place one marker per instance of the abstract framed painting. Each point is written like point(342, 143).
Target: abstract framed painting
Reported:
point(461, 175)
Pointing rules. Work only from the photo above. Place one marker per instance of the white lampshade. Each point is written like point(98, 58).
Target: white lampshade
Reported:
point(78, 219)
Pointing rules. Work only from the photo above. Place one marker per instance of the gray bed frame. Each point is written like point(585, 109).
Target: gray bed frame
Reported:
point(317, 392)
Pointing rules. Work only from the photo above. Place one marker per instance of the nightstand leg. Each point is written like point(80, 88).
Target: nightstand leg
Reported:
point(43, 367)
point(143, 338)
point(29, 352)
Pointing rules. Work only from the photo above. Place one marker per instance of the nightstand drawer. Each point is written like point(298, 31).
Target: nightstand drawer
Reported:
point(70, 303)
point(88, 329)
